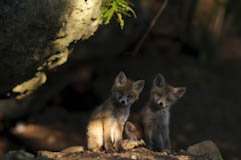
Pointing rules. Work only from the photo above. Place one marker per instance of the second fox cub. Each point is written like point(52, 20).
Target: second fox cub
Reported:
point(154, 117)
point(105, 127)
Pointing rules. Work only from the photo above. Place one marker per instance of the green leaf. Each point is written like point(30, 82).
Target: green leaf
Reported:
point(121, 21)
point(117, 7)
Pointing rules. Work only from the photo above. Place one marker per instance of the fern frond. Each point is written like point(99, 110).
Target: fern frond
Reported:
point(117, 7)
point(121, 21)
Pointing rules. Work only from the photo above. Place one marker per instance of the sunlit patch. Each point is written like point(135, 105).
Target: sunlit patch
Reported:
point(31, 85)
point(20, 127)
point(51, 140)
point(46, 136)
point(182, 157)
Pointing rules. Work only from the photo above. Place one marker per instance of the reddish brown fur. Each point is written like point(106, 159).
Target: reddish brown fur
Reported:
point(127, 89)
point(106, 124)
point(154, 117)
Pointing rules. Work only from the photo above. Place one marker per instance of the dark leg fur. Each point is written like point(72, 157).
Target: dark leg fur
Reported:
point(165, 134)
point(158, 142)
point(148, 137)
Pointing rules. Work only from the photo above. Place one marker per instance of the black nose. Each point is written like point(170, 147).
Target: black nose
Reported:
point(161, 103)
point(123, 102)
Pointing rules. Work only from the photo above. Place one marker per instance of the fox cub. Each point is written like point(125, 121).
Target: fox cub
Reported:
point(105, 127)
point(154, 117)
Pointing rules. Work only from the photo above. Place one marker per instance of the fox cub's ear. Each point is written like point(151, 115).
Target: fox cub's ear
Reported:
point(129, 127)
point(159, 81)
point(139, 85)
point(120, 79)
point(179, 92)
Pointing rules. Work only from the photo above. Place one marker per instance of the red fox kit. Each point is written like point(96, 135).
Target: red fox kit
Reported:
point(105, 127)
point(154, 117)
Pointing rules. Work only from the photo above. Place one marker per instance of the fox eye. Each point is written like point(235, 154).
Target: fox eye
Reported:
point(160, 95)
point(121, 93)
point(130, 96)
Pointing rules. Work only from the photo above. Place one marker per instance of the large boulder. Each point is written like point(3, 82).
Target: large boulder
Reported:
point(36, 35)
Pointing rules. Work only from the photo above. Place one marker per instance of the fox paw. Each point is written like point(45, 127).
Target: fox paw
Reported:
point(110, 150)
point(149, 147)
point(119, 148)
point(168, 151)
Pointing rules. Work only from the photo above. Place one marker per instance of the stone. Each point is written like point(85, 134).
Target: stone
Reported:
point(130, 144)
point(73, 149)
point(36, 35)
point(206, 147)
point(17, 155)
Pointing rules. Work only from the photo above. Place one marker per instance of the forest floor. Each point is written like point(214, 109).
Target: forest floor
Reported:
point(210, 109)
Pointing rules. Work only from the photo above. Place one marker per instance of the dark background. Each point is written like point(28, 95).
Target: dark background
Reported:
point(193, 44)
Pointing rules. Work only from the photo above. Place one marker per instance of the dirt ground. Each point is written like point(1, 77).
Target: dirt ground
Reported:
point(137, 153)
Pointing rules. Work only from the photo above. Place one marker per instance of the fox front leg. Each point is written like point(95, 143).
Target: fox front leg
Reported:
point(166, 138)
point(118, 137)
point(158, 142)
point(107, 126)
point(148, 137)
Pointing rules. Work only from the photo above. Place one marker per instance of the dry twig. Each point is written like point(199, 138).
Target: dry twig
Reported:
point(153, 22)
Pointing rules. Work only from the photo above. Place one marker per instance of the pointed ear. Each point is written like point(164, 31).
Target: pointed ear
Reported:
point(129, 127)
point(120, 79)
point(159, 80)
point(139, 85)
point(179, 92)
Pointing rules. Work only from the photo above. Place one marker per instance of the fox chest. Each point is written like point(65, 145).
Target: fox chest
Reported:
point(121, 114)
point(159, 119)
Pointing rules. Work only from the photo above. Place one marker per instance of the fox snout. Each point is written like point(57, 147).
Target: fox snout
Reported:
point(123, 100)
point(162, 103)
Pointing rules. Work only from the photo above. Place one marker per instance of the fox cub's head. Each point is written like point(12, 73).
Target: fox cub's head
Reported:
point(164, 95)
point(125, 91)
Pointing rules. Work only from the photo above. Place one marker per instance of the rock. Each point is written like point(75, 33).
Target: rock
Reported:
point(134, 157)
point(205, 147)
point(35, 35)
point(73, 149)
point(50, 155)
point(42, 158)
point(139, 153)
point(17, 155)
point(130, 144)
point(29, 86)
